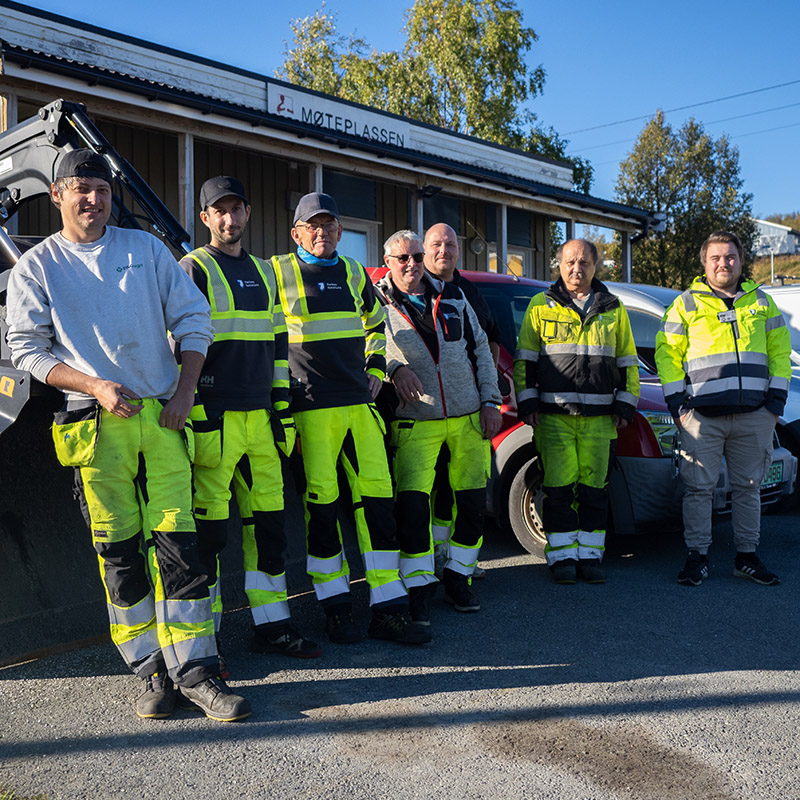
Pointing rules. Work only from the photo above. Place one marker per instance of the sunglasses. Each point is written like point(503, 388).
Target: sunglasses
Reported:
point(403, 257)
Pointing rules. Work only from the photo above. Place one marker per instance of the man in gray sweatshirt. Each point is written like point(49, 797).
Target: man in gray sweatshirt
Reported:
point(88, 311)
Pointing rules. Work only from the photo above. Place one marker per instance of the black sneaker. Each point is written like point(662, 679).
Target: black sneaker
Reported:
point(591, 571)
point(694, 570)
point(341, 627)
point(283, 640)
point(748, 565)
point(398, 627)
point(458, 593)
point(565, 571)
point(158, 699)
point(419, 603)
point(213, 697)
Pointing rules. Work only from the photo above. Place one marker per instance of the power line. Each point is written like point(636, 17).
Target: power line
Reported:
point(766, 130)
point(683, 108)
point(712, 122)
point(738, 136)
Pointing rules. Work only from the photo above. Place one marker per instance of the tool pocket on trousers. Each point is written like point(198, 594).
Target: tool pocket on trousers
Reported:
point(207, 435)
point(75, 436)
point(401, 431)
point(484, 447)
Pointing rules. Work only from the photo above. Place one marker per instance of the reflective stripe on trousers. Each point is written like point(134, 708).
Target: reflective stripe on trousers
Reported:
point(171, 626)
point(575, 453)
point(246, 455)
point(352, 436)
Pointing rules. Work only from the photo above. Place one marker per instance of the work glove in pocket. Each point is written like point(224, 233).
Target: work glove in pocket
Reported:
point(284, 431)
point(75, 435)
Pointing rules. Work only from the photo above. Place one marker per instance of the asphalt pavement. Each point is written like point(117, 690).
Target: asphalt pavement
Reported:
point(636, 689)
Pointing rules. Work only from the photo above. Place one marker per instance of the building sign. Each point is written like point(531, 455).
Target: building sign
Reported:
point(328, 114)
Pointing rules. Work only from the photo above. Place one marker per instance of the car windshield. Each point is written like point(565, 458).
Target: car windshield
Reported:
point(505, 297)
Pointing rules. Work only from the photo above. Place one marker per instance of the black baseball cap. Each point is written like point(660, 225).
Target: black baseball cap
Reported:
point(83, 163)
point(221, 186)
point(315, 203)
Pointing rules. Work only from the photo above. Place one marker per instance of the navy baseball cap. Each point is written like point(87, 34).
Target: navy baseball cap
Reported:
point(83, 163)
point(315, 203)
point(221, 186)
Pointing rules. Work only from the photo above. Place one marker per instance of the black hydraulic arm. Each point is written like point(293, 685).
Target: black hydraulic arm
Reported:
point(29, 152)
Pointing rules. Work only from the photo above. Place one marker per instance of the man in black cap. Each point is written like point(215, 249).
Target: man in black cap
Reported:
point(241, 417)
point(337, 362)
point(88, 311)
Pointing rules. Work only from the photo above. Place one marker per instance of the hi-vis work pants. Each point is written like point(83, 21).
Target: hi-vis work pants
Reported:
point(352, 435)
point(576, 457)
point(418, 444)
point(136, 461)
point(238, 446)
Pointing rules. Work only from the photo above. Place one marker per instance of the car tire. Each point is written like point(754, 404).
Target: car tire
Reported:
point(525, 497)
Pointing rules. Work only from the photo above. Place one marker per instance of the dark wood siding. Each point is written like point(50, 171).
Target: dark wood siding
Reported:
point(269, 183)
point(394, 210)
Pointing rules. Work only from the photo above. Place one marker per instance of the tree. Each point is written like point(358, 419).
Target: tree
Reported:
point(791, 220)
point(695, 181)
point(463, 67)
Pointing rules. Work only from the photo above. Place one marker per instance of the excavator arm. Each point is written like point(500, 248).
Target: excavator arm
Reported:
point(29, 153)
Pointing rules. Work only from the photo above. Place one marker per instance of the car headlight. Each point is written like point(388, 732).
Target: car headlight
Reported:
point(664, 428)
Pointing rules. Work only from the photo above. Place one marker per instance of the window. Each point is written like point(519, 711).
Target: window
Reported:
point(361, 241)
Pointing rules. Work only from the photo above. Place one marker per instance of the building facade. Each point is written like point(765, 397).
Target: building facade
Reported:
point(181, 119)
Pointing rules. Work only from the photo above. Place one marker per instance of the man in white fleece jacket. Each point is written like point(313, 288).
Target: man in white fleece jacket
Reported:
point(438, 359)
point(88, 311)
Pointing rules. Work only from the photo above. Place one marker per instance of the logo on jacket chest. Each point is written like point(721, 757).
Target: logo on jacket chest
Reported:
point(248, 284)
point(330, 286)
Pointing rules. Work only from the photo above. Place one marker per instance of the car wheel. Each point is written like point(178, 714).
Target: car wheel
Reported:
point(525, 497)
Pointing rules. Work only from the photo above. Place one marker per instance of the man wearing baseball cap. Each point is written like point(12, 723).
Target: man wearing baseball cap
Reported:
point(241, 417)
point(337, 362)
point(88, 312)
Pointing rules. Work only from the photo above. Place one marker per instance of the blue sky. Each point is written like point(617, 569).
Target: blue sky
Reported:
point(605, 62)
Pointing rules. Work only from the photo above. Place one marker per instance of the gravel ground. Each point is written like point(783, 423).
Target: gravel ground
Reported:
point(633, 690)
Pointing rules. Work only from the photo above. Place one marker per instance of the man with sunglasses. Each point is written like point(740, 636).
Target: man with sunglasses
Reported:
point(439, 362)
point(337, 363)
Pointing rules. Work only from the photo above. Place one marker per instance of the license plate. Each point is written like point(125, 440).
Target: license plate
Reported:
point(774, 474)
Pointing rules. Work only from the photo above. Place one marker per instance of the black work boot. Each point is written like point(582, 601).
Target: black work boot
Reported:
point(157, 701)
point(458, 593)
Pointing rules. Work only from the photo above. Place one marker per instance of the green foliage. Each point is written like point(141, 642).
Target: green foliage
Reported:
point(695, 181)
point(463, 67)
point(791, 220)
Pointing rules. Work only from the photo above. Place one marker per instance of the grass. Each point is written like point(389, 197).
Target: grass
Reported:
point(784, 265)
point(10, 794)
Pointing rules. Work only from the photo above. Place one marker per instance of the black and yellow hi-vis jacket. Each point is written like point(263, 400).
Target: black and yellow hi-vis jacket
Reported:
point(566, 364)
point(336, 331)
point(247, 364)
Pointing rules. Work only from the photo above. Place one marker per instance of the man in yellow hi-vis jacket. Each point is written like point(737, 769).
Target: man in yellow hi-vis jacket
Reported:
point(241, 417)
point(337, 363)
point(576, 376)
point(723, 359)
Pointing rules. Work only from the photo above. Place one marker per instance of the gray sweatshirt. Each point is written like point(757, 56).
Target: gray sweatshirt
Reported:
point(104, 309)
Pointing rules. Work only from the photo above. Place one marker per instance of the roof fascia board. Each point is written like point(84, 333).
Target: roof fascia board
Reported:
point(59, 36)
